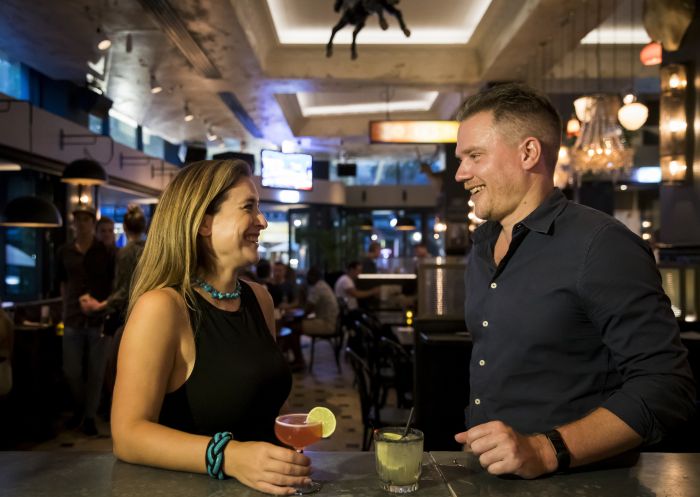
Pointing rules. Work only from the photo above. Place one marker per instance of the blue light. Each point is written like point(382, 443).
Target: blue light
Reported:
point(647, 174)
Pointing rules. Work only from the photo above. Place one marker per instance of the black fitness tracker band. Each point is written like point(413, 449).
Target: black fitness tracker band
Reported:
point(563, 455)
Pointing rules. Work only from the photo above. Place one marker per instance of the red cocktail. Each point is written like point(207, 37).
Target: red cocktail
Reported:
point(293, 430)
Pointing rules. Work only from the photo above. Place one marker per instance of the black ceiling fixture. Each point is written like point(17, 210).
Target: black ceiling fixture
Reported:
point(31, 212)
point(84, 172)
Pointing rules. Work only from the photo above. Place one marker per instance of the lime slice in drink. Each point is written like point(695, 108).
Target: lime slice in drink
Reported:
point(325, 417)
point(391, 436)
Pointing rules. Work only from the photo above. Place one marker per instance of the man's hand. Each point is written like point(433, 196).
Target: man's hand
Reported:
point(501, 450)
point(89, 305)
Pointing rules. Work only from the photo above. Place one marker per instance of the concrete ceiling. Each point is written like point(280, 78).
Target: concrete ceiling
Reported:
point(258, 67)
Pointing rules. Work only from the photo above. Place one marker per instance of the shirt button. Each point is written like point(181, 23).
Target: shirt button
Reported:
point(482, 363)
point(477, 401)
point(493, 285)
point(485, 324)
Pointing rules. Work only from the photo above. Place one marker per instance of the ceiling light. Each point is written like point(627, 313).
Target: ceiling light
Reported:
point(366, 223)
point(413, 131)
point(651, 54)
point(633, 115)
point(155, 87)
point(84, 172)
point(103, 42)
point(211, 136)
point(10, 166)
point(405, 223)
point(582, 106)
point(573, 126)
point(31, 212)
point(188, 114)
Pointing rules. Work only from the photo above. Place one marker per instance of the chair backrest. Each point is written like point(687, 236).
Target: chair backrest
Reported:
point(394, 357)
point(362, 380)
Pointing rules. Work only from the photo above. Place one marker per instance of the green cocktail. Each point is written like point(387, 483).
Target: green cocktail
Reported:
point(398, 459)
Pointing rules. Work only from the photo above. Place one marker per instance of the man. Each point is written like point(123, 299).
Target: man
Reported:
point(346, 290)
point(104, 232)
point(82, 333)
point(369, 263)
point(283, 290)
point(571, 328)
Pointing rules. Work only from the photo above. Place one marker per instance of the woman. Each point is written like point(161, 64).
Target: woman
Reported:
point(198, 358)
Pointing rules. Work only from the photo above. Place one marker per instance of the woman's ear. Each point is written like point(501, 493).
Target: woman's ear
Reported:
point(205, 227)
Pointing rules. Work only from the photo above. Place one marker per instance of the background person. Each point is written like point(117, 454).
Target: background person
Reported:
point(369, 262)
point(321, 311)
point(82, 335)
point(283, 286)
point(198, 359)
point(576, 352)
point(345, 287)
point(115, 305)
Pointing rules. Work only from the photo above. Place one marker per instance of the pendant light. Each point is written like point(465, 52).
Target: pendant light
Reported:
point(366, 223)
point(31, 212)
point(405, 223)
point(601, 147)
point(632, 115)
point(573, 126)
point(651, 54)
point(84, 172)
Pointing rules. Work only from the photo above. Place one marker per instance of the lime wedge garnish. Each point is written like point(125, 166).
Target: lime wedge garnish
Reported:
point(325, 417)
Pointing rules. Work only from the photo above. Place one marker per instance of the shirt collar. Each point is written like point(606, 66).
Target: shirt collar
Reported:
point(540, 220)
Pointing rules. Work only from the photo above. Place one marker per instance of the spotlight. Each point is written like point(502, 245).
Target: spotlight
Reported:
point(211, 136)
point(104, 42)
point(188, 114)
point(155, 87)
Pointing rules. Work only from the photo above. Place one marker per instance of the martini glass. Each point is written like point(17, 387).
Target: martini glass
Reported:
point(293, 430)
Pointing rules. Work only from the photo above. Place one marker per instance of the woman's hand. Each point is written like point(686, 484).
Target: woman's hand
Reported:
point(266, 467)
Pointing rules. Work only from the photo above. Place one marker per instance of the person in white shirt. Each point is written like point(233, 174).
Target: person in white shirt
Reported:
point(346, 290)
point(322, 303)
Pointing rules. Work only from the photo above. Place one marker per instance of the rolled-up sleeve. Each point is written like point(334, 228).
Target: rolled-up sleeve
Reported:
point(621, 290)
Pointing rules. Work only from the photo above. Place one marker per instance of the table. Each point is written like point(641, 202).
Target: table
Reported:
point(64, 474)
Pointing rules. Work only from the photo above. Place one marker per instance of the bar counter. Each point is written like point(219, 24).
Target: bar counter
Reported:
point(449, 474)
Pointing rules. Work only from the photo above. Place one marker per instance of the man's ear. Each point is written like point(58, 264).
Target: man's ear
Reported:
point(530, 152)
point(205, 227)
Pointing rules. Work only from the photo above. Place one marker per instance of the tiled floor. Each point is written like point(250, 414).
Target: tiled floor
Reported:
point(324, 386)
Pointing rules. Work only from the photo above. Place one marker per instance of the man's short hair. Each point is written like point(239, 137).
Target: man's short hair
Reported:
point(104, 220)
point(352, 265)
point(519, 111)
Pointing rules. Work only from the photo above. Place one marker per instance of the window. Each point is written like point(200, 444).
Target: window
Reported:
point(25, 271)
point(153, 145)
point(384, 172)
point(14, 80)
point(95, 124)
point(123, 129)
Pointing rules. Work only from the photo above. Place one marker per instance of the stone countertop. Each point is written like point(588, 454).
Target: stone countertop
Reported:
point(59, 474)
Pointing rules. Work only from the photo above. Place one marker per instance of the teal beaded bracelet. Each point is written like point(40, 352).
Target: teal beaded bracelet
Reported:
point(215, 454)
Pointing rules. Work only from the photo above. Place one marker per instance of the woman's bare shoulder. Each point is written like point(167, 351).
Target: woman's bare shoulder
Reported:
point(164, 307)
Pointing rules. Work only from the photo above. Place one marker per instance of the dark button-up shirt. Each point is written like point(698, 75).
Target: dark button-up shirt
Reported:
point(70, 266)
point(573, 318)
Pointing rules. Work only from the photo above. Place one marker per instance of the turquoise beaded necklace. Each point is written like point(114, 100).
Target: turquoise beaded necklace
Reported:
point(216, 294)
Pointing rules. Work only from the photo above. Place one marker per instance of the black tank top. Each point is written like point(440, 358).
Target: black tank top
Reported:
point(240, 378)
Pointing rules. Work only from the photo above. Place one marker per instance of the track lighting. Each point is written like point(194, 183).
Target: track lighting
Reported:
point(188, 114)
point(155, 87)
point(103, 42)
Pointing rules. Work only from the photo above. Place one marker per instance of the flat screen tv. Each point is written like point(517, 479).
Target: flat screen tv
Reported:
point(286, 171)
